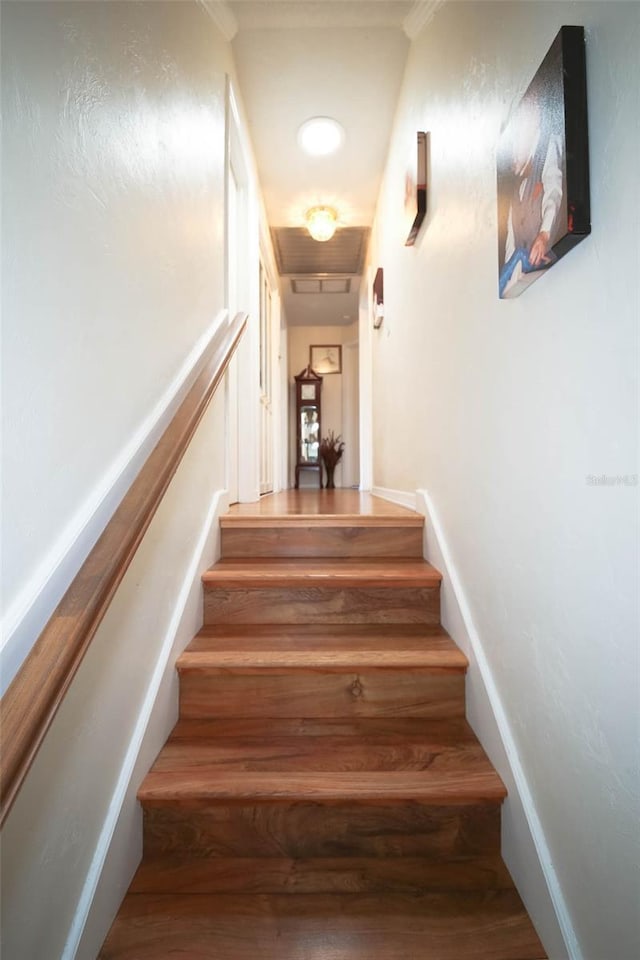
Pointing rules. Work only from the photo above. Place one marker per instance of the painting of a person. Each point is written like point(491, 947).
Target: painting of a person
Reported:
point(531, 181)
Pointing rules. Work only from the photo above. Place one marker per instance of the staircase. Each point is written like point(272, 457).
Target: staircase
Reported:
point(322, 796)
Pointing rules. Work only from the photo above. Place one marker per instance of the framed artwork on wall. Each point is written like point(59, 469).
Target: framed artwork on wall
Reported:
point(378, 299)
point(543, 168)
point(415, 189)
point(325, 358)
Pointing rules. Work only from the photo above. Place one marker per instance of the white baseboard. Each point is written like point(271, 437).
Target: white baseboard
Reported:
point(402, 497)
point(525, 848)
point(80, 941)
point(29, 612)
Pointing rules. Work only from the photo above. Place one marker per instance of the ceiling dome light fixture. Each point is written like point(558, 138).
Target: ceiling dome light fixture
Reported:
point(320, 136)
point(321, 223)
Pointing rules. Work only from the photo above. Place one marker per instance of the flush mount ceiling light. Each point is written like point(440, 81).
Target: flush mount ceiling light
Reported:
point(320, 136)
point(321, 222)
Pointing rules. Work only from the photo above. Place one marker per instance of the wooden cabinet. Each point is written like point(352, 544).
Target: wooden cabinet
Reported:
point(308, 418)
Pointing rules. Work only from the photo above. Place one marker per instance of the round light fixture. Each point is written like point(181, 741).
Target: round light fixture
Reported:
point(320, 136)
point(321, 223)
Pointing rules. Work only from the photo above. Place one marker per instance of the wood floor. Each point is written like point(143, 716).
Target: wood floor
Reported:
point(323, 504)
point(322, 796)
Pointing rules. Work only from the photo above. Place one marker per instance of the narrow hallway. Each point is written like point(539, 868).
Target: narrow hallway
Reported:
point(200, 200)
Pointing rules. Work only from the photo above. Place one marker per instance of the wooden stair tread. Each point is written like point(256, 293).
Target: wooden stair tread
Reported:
point(426, 733)
point(438, 755)
point(336, 573)
point(326, 504)
point(492, 925)
point(284, 522)
point(391, 632)
point(212, 649)
point(463, 784)
point(195, 874)
point(436, 761)
point(379, 727)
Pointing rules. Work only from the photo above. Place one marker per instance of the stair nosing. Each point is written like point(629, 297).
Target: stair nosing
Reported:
point(390, 632)
point(326, 521)
point(333, 787)
point(334, 574)
point(203, 663)
point(322, 650)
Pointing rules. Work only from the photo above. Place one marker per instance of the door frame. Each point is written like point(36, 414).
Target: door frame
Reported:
point(279, 430)
point(365, 385)
point(243, 444)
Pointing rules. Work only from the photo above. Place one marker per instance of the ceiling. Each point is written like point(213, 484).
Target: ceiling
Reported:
point(298, 59)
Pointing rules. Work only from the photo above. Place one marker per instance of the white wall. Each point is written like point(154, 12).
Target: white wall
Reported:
point(501, 411)
point(75, 831)
point(337, 398)
point(350, 412)
point(114, 260)
point(113, 174)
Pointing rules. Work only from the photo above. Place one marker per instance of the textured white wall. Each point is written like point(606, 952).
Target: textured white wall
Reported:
point(113, 245)
point(113, 180)
point(501, 411)
point(77, 810)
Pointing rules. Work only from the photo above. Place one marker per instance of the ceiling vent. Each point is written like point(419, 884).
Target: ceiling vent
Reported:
point(321, 285)
point(297, 253)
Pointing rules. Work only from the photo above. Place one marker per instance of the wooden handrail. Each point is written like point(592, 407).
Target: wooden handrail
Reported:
point(32, 700)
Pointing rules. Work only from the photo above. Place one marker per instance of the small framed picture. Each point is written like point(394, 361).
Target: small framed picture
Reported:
point(326, 358)
point(415, 192)
point(378, 299)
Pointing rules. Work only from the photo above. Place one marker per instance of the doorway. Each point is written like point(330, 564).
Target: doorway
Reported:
point(266, 383)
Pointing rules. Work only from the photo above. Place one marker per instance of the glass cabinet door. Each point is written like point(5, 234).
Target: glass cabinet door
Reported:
point(309, 434)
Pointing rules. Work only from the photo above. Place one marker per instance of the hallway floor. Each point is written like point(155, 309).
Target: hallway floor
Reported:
point(312, 503)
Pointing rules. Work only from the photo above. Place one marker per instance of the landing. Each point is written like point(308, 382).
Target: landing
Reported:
point(322, 503)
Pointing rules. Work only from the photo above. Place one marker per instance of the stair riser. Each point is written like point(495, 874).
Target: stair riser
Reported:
point(354, 542)
point(405, 829)
point(340, 875)
point(312, 693)
point(313, 756)
point(324, 605)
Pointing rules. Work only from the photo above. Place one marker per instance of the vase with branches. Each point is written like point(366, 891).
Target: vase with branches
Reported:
point(331, 448)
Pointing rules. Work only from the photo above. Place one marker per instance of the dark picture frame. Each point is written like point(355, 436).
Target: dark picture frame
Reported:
point(325, 358)
point(543, 168)
point(415, 190)
point(378, 299)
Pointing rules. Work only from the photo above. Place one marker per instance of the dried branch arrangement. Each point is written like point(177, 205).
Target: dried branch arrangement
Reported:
point(331, 448)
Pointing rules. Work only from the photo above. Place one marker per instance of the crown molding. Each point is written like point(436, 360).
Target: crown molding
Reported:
point(419, 16)
point(219, 12)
